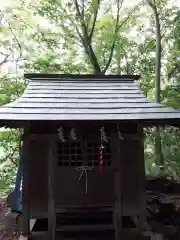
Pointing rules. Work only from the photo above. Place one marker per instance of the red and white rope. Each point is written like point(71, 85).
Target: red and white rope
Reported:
point(101, 158)
point(103, 138)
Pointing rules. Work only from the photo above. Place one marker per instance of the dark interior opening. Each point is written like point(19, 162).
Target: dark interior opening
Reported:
point(83, 219)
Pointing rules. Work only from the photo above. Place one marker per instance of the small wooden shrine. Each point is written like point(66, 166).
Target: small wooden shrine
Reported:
point(83, 153)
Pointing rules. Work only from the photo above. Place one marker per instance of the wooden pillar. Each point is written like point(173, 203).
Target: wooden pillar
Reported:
point(25, 184)
point(142, 181)
point(51, 189)
point(117, 216)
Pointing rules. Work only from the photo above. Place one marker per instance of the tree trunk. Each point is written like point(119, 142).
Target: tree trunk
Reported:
point(158, 148)
point(158, 56)
point(158, 145)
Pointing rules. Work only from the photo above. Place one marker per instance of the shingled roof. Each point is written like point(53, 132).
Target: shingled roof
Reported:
point(84, 97)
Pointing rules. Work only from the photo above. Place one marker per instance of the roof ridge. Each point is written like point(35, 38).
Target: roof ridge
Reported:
point(80, 77)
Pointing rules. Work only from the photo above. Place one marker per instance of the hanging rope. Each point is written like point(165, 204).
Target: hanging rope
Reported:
point(73, 134)
point(103, 135)
point(61, 134)
point(103, 139)
point(84, 172)
point(119, 134)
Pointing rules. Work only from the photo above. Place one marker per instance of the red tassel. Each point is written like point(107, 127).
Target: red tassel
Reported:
point(101, 169)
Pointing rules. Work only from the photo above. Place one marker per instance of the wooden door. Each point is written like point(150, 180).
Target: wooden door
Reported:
point(78, 178)
point(100, 185)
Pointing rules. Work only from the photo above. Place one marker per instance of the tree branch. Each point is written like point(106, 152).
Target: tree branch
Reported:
point(71, 35)
point(10, 156)
point(1, 16)
point(119, 6)
point(78, 71)
point(17, 41)
point(104, 57)
point(94, 20)
point(82, 22)
point(173, 71)
point(116, 31)
point(83, 9)
point(4, 60)
point(85, 40)
point(129, 15)
point(158, 49)
point(110, 57)
point(126, 59)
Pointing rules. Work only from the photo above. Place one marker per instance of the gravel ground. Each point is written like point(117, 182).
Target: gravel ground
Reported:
point(5, 234)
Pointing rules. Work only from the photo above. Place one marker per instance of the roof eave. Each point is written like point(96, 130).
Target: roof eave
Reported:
point(145, 123)
point(34, 76)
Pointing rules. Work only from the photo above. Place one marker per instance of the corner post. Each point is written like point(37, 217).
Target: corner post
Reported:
point(142, 181)
point(25, 182)
point(117, 216)
point(51, 186)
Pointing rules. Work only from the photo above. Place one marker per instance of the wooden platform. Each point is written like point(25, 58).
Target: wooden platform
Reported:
point(87, 224)
point(89, 236)
point(84, 227)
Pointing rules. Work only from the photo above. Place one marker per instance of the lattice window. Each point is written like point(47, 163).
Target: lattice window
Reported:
point(70, 154)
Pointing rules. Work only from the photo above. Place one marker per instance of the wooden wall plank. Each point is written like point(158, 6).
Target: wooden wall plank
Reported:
point(39, 171)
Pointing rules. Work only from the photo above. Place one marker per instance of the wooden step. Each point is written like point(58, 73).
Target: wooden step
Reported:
point(77, 209)
point(88, 236)
point(84, 228)
point(84, 218)
point(72, 209)
point(72, 236)
point(132, 234)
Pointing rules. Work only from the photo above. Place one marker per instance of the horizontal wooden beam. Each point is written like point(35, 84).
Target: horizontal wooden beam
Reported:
point(56, 137)
point(85, 227)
